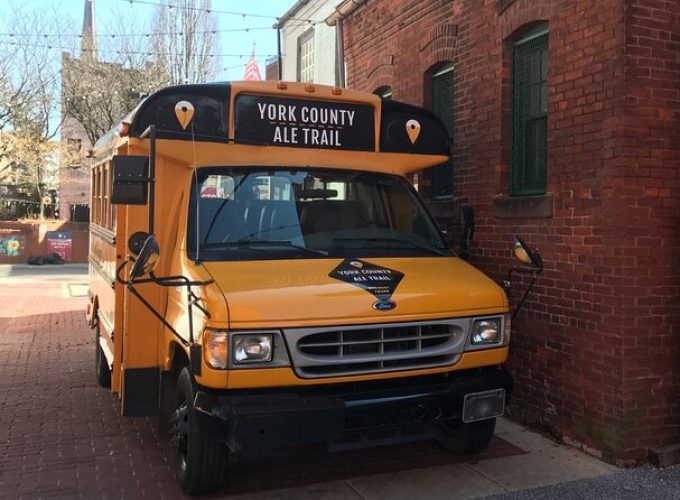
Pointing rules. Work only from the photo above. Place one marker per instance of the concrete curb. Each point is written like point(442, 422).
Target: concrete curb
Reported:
point(44, 266)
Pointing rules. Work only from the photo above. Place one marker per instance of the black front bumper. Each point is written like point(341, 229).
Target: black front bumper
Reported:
point(255, 421)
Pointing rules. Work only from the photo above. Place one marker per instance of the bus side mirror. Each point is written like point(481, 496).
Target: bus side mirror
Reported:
point(147, 259)
point(130, 180)
point(526, 255)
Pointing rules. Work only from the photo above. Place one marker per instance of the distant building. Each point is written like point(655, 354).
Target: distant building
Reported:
point(74, 178)
point(271, 71)
point(308, 44)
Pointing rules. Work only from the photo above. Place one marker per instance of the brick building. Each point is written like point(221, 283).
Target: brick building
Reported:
point(74, 178)
point(565, 118)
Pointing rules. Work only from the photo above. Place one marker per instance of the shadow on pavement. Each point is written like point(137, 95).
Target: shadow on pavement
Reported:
point(62, 435)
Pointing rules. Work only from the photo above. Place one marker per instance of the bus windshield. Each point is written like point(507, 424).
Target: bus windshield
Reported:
point(247, 213)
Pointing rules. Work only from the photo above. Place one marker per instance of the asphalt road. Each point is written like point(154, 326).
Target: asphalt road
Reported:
point(642, 483)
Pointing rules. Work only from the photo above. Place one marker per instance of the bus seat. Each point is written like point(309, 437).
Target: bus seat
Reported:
point(254, 213)
point(329, 215)
point(281, 222)
point(229, 225)
point(273, 220)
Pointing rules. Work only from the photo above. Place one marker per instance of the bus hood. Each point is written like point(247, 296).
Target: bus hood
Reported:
point(308, 292)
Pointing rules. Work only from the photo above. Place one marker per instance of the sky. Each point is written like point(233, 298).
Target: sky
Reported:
point(109, 12)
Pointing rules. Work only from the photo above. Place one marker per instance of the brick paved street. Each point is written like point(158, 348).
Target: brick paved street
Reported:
point(61, 436)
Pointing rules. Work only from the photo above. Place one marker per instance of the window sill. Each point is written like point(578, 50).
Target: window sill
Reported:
point(523, 207)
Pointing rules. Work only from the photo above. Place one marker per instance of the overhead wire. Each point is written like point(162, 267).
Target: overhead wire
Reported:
point(122, 51)
point(218, 11)
point(131, 35)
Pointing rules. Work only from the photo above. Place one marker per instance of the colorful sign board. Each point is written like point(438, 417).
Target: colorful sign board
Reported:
point(61, 243)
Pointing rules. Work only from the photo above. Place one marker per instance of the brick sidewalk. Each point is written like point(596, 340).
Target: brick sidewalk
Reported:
point(62, 436)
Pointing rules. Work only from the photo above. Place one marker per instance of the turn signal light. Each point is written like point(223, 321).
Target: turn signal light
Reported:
point(216, 348)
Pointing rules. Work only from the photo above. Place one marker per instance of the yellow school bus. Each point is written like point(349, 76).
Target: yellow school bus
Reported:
point(263, 275)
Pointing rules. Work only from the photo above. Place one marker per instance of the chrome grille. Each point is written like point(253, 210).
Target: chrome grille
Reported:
point(352, 350)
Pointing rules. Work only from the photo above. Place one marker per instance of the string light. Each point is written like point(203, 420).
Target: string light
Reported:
point(133, 35)
point(171, 6)
point(123, 51)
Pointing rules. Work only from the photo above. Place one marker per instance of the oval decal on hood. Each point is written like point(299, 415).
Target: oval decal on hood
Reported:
point(387, 305)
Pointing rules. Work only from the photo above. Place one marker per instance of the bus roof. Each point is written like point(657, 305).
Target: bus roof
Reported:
point(288, 115)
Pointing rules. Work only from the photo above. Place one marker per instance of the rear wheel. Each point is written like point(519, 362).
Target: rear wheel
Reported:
point(201, 465)
point(101, 365)
point(462, 438)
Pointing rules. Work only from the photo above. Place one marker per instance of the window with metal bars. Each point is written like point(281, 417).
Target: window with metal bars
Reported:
point(529, 113)
point(306, 57)
point(442, 105)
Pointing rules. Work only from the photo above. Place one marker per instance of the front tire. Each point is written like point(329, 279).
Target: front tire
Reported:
point(101, 365)
point(201, 465)
point(466, 439)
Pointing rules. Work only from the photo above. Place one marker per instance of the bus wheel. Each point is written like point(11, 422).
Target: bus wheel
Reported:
point(201, 465)
point(462, 438)
point(101, 365)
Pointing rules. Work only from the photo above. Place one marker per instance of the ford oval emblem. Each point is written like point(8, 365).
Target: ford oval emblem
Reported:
point(386, 305)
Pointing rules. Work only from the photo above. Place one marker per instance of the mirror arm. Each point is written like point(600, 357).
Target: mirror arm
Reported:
point(194, 300)
point(169, 281)
point(159, 316)
point(130, 283)
point(522, 270)
point(524, 297)
point(179, 280)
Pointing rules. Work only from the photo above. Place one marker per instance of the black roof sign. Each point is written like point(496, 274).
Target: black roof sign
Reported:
point(302, 123)
point(409, 129)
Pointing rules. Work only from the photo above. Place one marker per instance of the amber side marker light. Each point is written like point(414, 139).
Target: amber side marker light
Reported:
point(281, 85)
point(336, 91)
point(123, 129)
point(310, 87)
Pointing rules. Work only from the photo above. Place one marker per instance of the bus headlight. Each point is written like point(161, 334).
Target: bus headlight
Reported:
point(252, 348)
point(216, 348)
point(487, 331)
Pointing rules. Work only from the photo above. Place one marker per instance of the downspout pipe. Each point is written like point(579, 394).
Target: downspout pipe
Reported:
point(339, 55)
point(335, 19)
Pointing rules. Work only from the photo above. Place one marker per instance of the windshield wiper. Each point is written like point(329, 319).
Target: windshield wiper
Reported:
point(395, 240)
point(254, 242)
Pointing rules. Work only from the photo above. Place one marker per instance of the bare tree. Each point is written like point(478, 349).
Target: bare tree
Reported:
point(99, 91)
point(28, 96)
point(185, 39)
point(98, 94)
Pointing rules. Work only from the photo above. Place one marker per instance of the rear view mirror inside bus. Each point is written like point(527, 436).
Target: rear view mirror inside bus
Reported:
point(130, 180)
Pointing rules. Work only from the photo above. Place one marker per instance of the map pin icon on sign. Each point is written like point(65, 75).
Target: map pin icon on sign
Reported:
point(413, 130)
point(184, 111)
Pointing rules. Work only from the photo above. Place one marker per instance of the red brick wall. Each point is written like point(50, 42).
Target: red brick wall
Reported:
point(648, 188)
point(74, 183)
point(596, 351)
point(272, 71)
point(30, 239)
